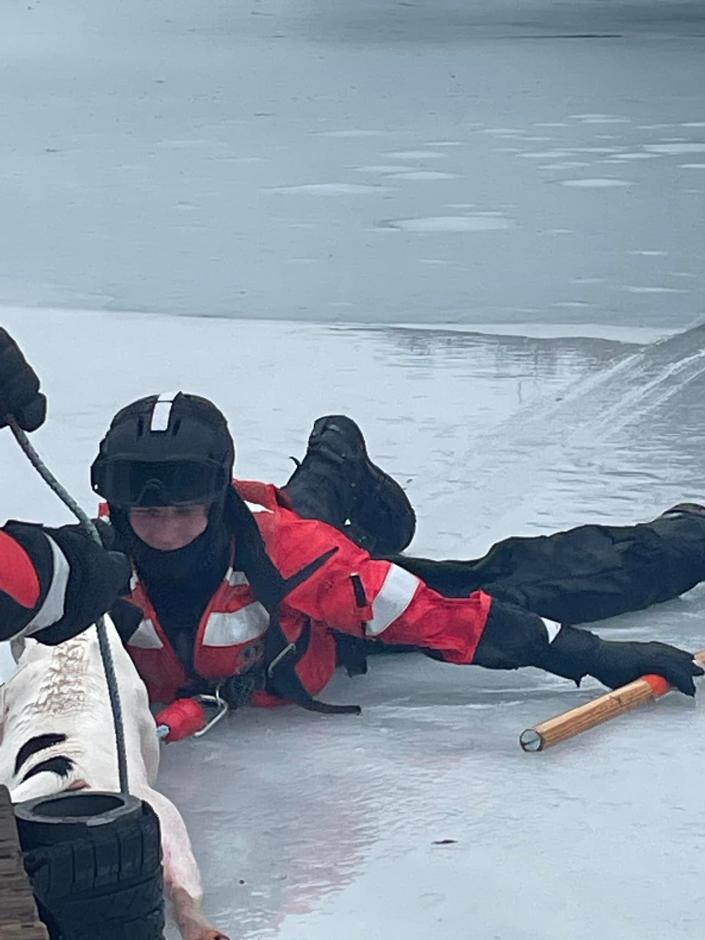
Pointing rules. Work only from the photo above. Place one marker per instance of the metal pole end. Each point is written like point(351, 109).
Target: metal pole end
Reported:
point(531, 740)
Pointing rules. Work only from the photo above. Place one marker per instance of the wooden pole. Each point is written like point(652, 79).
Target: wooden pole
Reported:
point(573, 722)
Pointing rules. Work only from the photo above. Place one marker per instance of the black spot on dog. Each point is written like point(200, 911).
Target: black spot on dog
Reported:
point(58, 765)
point(37, 743)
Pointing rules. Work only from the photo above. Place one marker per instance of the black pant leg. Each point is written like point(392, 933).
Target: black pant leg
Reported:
point(583, 574)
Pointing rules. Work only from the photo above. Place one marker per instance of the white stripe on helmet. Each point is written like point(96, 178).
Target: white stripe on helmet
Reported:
point(162, 411)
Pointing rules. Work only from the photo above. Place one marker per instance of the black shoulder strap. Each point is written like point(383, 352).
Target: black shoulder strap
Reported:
point(270, 588)
point(282, 656)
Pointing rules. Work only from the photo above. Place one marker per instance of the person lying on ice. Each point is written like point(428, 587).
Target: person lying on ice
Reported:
point(53, 582)
point(262, 590)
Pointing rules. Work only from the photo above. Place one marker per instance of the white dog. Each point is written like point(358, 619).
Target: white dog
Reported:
point(56, 734)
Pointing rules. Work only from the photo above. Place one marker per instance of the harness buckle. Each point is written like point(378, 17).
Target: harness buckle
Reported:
point(214, 701)
point(290, 648)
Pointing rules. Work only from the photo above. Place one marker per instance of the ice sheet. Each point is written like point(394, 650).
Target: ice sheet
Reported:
point(309, 827)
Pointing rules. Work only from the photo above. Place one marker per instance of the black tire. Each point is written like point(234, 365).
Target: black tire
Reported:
point(104, 884)
point(128, 912)
point(49, 820)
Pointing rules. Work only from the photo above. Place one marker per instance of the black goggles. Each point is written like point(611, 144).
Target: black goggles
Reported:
point(131, 483)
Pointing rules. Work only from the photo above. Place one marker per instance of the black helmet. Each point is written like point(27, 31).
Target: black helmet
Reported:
point(165, 450)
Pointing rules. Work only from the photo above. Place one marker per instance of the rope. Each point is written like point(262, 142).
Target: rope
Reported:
point(103, 641)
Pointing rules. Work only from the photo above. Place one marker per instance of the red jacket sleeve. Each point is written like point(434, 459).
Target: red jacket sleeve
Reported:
point(357, 594)
point(19, 586)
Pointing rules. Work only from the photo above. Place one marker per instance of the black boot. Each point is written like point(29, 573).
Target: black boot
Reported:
point(338, 483)
point(682, 508)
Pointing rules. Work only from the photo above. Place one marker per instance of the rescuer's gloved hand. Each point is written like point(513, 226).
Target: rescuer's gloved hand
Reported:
point(20, 397)
point(575, 653)
point(617, 663)
point(79, 580)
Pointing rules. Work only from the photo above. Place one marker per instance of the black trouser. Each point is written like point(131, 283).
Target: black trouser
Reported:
point(587, 573)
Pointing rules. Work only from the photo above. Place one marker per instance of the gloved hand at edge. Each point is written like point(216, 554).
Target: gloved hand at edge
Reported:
point(575, 653)
point(79, 580)
point(19, 387)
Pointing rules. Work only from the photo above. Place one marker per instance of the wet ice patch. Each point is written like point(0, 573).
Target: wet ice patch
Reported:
point(545, 155)
point(423, 175)
point(636, 289)
point(634, 156)
point(566, 165)
point(328, 189)
point(676, 148)
point(502, 131)
point(693, 124)
point(413, 155)
point(647, 253)
point(381, 168)
point(596, 183)
point(353, 132)
point(184, 144)
point(445, 143)
point(691, 166)
point(596, 149)
point(599, 118)
point(478, 222)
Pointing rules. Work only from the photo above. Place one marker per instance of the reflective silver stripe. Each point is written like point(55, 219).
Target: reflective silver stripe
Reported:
point(395, 596)
point(235, 627)
point(162, 411)
point(235, 578)
point(255, 507)
point(552, 628)
point(146, 637)
point(52, 610)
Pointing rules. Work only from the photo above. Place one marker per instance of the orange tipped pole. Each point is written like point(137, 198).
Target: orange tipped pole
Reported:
point(599, 710)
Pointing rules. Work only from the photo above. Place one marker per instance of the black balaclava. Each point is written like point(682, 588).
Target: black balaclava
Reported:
point(180, 583)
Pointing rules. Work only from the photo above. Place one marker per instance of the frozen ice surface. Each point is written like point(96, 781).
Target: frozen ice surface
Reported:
point(423, 817)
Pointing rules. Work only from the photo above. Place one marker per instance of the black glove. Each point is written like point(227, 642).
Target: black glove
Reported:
point(79, 579)
point(577, 653)
point(19, 387)
point(619, 663)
